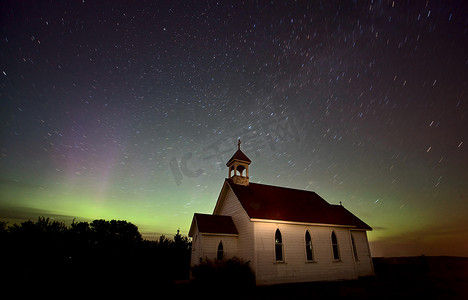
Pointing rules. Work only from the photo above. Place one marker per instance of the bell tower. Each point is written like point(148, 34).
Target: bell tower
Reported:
point(238, 167)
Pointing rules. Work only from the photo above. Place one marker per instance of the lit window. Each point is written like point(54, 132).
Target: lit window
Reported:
point(220, 253)
point(278, 246)
point(309, 249)
point(354, 248)
point(336, 248)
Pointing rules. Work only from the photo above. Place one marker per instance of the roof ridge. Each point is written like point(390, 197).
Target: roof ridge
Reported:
point(284, 187)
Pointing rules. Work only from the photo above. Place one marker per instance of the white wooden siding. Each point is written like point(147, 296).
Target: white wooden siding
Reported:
point(364, 266)
point(206, 247)
point(232, 207)
point(295, 268)
point(196, 248)
point(211, 242)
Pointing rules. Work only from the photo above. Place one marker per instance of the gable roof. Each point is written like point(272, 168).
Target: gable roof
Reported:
point(239, 155)
point(262, 201)
point(213, 224)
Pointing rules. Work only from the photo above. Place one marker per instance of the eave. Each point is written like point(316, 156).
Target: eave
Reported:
point(306, 224)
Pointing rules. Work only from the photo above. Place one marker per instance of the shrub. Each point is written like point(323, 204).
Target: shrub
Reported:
point(233, 272)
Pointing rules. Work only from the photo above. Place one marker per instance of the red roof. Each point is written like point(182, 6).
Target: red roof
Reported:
point(262, 201)
point(215, 224)
point(239, 155)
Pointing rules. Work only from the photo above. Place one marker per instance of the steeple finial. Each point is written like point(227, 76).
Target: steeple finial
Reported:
point(238, 144)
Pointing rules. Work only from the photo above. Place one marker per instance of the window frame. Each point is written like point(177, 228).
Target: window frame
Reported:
point(220, 251)
point(353, 245)
point(279, 246)
point(336, 255)
point(309, 247)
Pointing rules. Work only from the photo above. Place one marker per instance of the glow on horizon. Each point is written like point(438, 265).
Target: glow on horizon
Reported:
point(165, 217)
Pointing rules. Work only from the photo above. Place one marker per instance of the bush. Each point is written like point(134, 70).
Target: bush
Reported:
point(233, 272)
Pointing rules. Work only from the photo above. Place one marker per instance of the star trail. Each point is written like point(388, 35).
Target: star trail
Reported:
point(130, 110)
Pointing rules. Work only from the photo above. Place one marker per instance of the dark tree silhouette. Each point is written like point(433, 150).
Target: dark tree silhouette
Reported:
point(91, 254)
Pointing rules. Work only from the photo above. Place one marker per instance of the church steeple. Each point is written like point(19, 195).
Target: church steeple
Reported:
point(239, 167)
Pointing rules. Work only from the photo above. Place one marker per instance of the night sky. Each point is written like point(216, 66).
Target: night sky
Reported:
point(130, 110)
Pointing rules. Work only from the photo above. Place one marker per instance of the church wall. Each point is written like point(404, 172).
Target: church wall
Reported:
point(364, 266)
point(232, 207)
point(205, 246)
point(196, 248)
point(295, 268)
point(211, 242)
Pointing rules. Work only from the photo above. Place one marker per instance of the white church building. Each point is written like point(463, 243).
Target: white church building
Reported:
point(286, 235)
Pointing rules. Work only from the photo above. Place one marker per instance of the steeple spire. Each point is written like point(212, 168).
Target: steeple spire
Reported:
point(238, 144)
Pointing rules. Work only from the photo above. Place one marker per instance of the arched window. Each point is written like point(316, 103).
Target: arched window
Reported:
point(335, 247)
point(309, 249)
point(278, 246)
point(220, 253)
point(354, 248)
